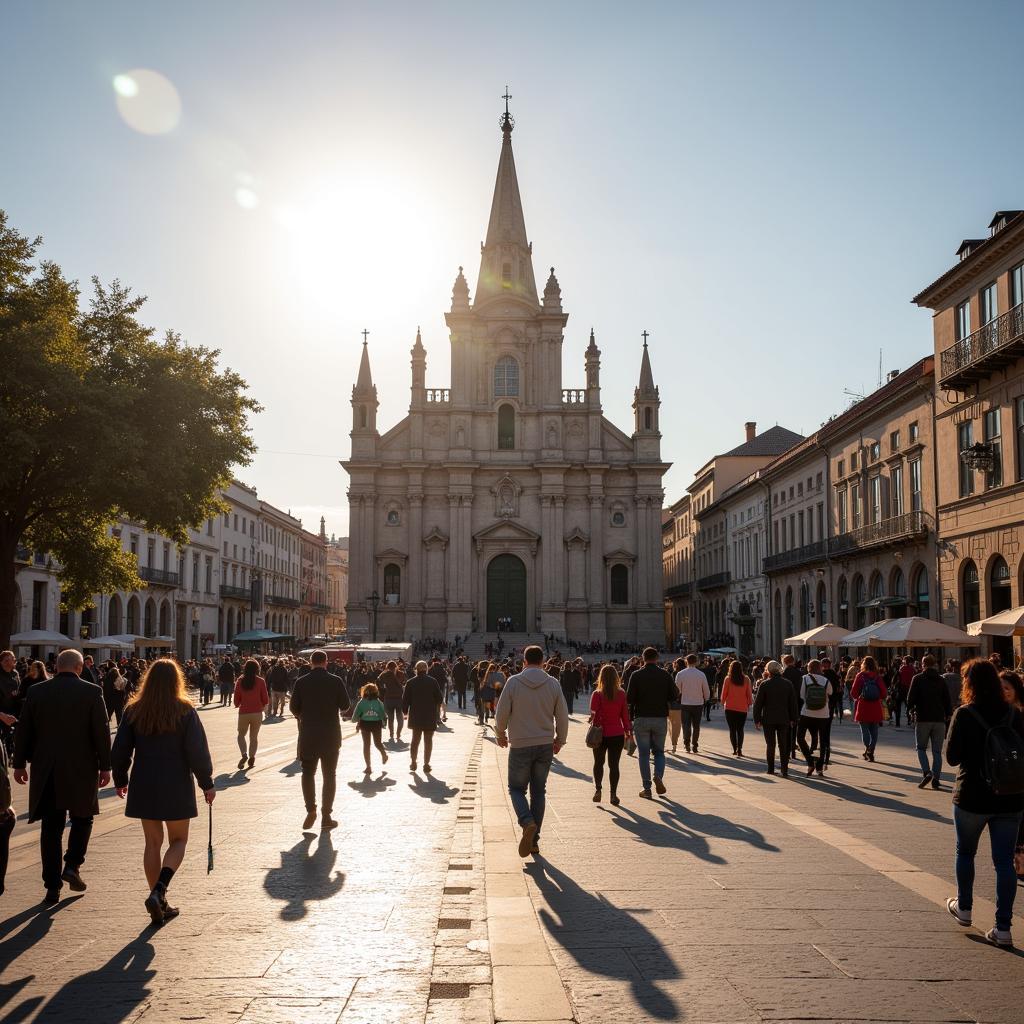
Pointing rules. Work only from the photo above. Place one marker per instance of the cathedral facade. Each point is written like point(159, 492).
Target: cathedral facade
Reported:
point(506, 496)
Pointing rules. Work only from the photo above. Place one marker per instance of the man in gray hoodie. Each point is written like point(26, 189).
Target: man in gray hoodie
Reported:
point(532, 719)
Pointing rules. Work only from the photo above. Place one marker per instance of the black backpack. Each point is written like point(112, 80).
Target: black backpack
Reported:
point(1003, 762)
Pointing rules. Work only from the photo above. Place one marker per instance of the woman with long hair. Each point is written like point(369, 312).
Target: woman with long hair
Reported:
point(868, 693)
point(975, 803)
point(251, 699)
point(737, 699)
point(1013, 688)
point(369, 716)
point(161, 731)
point(608, 710)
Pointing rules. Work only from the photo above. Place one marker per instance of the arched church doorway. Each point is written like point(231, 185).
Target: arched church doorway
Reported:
point(506, 592)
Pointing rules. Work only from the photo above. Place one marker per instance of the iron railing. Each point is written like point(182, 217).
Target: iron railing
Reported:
point(163, 577)
point(718, 579)
point(969, 353)
point(241, 593)
point(284, 602)
point(574, 396)
point(439, 396)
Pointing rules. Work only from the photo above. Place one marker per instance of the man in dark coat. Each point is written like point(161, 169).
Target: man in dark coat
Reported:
point(460, 677)
point(569, 679)
point(420, 701)
point(441, 678)
point(776, 710)
point(64, 732)
point(318, 702)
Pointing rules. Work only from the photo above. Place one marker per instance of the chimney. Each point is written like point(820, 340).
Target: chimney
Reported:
point(751, 429)
point(892, 375)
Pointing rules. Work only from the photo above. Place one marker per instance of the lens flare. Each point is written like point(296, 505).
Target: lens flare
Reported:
point(147, 101)
point(246, 198)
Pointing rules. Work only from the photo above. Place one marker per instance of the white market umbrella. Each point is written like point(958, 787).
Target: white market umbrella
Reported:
point(113, 643)
point(154, 641)
point(821, 636)
point(909, 632)
point(42, 638)
point(1008, 623)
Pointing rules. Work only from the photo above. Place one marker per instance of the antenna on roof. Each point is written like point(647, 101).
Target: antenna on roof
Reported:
point(879, 367)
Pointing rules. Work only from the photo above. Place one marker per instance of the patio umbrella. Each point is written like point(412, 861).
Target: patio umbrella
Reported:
point(821, 636)
point(909, 632)
point(154, 641)
point(1008, 623)
point(41, 638)
point(113, 643)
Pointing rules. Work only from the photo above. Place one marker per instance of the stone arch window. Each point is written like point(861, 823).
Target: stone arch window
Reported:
point(859, 598)
point(506, 378)
point(822, 604)
point(647, 419)
point(165, 619)
point(898, 587)
point(114, 616)
point(392, 583)
point(132, 625)
point(922, 597)
point(805, 608)
point(362, 417)
point(843, 603)
point(620, 584)
point(506, 427)
point(971, 603)
point(999, 599)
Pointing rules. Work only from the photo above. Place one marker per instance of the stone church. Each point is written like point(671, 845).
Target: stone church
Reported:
point(505, 495)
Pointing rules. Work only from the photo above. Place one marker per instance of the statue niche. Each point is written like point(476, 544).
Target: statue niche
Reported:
point(506, 498)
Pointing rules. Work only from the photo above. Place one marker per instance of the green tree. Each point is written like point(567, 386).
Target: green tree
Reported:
point(100, 419)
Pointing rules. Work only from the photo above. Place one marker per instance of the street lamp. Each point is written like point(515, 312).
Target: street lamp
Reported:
point(979, 456)
point(374, 600)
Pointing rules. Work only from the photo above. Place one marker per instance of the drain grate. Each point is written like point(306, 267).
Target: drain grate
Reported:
point(458, 890)
point(454, 922)
point(449, 989)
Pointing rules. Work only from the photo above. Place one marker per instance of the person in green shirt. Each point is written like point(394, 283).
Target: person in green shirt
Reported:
point(370, 716)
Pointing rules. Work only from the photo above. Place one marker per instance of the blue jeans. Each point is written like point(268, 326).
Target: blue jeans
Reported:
point(649, 734)
point(933, 733)
point(1002, 834)
point(869, 734)
point(529, 767)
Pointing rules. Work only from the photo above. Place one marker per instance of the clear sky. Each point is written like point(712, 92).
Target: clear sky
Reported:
point(762, 186)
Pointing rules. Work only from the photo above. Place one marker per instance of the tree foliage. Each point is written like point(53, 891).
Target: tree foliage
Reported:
point(101, 420)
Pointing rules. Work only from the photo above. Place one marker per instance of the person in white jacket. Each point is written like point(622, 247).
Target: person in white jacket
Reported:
point(693, 692)
point(533, 721)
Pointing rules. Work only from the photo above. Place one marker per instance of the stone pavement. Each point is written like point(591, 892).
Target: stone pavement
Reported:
point(736, 897)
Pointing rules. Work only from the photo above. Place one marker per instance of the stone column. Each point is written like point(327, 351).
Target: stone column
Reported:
point(546, 562)
point(595, 581)
point(415, 584)
point(454, 539)
point(558, 553)
point(640, 589)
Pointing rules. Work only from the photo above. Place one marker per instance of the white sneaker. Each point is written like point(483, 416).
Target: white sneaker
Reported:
point(961, 917)
point(1000, 938)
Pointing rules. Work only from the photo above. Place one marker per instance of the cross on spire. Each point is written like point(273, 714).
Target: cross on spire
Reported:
point(645, 335)
point(506, 97)
point(365, 335)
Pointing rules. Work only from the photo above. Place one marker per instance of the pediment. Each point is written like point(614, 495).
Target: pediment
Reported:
point(392, 555)
point(506, 530)
point(577, 536)
point(620, 555)
point(435, 537)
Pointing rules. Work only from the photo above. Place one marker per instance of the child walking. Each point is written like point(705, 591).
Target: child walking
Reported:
point(370, 716)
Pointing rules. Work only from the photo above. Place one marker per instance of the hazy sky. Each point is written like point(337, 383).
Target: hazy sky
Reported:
point(762, 186)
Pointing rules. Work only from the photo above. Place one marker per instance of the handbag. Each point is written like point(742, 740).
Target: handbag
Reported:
point(595, 734)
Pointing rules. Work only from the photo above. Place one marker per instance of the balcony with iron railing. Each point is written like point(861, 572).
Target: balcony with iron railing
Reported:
point(574, 396)
point(680, 590)
point(992, 347)
point(239, 593)
point(161, 577)
point(718, 579)
point(439, 396)
point(283, 602)
point(892, 532)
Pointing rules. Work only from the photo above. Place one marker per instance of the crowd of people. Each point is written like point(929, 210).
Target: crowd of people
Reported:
point(55, 717)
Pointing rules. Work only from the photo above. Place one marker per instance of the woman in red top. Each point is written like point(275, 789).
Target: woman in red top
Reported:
point(251, 699)
point(868, 693)
point(737, 697)
point(608, 710)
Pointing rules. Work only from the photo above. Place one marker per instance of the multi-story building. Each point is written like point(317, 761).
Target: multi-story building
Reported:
point(711, 623)
point(280, 567)
point(743, 507)
point(978, 326)
point(677, 564)
point(237, 535)
point(851, 529)
point(313, 607)
point(337, 586)
point(196, 597)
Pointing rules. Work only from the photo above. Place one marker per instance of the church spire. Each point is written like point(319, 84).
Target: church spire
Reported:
point(364, 395)
point(506, 265)
point(364, 382)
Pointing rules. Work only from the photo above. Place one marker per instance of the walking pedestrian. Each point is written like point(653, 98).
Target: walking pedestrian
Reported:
point(675, 708)
point(651, 690)
point(162, 733)
point(815, 691)
point(928, 700)
point(776, 712)
point(64, 733)
point(10, 697)
point(7, 815)
point(391, 690)
point(279, 683)
point(460, 679)
point(985, 722)
point(791, 671)
point(532, 720)
point(226, 677)
point(694, 690)
point(420, 702)
point(251, 699)
point(369, 716)
point(868, 694)
point(737, 698)
point(319, 700)
point(609, 710)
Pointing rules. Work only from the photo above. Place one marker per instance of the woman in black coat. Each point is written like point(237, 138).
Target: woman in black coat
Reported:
point(420, 702)
point(162, 730)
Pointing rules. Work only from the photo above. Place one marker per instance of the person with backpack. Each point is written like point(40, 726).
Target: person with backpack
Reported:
point(815, 690)
point(868, 695)
point(986, 745)
point(370, 716)
point(928, 700)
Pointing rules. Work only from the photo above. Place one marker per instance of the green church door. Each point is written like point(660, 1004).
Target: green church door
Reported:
point(506, 593)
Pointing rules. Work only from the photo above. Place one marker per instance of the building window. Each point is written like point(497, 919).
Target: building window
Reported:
point(506, 271)
point(963, 320)
point(800, 489)
point(841, 502)
point(993, 437)
point(876, 451)
point(195, 573)
point(209, 575)
point(922, 597)
point(506, 427)
point(875, 493)
point(858, 517)
point(393, 518)
point(821, 520)
point(1017, 285)
point(915, 486)
point(841, 468)
point(362, 417)
point(618, 519)
point(619, 585)
point(392, 583)
point(817, 482)
point(1019, 412)
point(506, 378)
point(965, 438)
point(853, 461)
point(860, 613)
point(915, 432)
point(647, 419)
point(894, 441)
point(971, 594)
point(896, 490)
point(989, 304)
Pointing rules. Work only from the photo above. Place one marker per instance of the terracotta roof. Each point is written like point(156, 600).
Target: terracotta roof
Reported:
point(773, 441)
